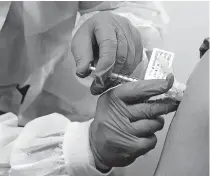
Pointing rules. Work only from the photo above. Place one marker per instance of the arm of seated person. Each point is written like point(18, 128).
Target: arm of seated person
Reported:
point(186, 149)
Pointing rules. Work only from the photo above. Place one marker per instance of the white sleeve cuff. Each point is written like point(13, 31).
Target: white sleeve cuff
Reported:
point(77, 153)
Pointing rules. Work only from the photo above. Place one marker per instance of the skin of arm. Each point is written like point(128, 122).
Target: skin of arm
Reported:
point(186, 149)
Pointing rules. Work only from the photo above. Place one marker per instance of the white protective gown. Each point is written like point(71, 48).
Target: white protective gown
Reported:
point(35, 40)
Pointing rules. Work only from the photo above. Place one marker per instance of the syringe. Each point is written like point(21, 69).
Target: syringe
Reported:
point(117, 76)
point(171, 93)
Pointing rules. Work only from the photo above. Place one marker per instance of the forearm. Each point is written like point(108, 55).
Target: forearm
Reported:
point(186, 147)
point(62, 148)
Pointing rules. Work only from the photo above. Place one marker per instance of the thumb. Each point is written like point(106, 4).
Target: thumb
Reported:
point(133, 92)
point(82, 50)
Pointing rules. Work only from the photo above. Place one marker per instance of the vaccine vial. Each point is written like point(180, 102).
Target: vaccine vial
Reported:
point(160, 65)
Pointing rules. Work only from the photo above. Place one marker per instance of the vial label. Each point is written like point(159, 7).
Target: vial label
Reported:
point(159, 64)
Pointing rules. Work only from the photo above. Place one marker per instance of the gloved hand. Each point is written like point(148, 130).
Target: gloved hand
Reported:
point(126, 120)
point(112, 43)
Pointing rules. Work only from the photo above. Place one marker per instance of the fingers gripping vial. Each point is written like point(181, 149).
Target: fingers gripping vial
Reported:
point(158, 68)
point(160, 65)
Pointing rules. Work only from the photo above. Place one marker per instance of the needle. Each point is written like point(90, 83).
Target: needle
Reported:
point(117, 76)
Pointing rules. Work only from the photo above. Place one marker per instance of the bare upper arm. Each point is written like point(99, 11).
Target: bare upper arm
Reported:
point(186, 148)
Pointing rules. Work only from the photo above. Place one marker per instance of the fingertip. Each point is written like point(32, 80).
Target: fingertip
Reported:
point(162, 107)
point(82, 73)
point(161, 122)
point(170, 80)
point(173, 102)
point(95, 88)
point(160, 119)
point(172, 106)
point(153, 141)
point(95, 91)
point(146, 144)
point(169, 76)
point(82, 68)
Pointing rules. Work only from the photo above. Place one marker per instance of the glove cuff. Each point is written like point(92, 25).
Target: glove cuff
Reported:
point(78, 156)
